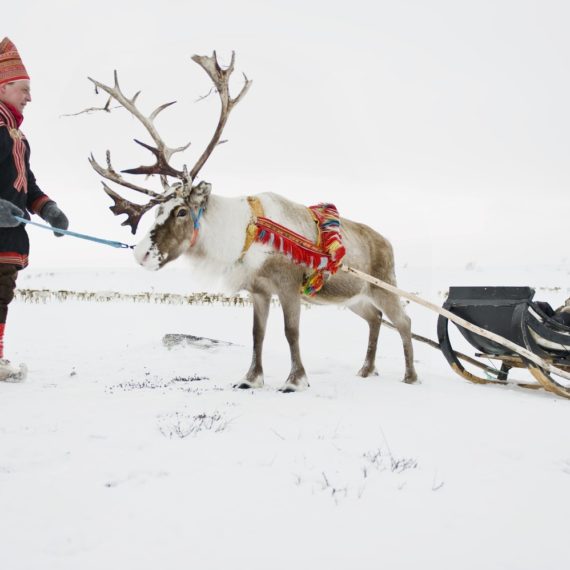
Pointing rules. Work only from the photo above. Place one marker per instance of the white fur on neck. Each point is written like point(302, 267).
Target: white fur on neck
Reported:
point(220, 243)
point(221, 238)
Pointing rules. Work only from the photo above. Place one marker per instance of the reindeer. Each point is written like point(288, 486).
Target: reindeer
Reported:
point(213, 232)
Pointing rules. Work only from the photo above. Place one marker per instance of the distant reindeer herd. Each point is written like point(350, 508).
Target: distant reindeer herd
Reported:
point(212, 231)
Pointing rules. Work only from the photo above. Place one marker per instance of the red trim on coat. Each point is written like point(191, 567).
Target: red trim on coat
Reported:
point(39, 203)
point(19, 148)
point(14, 258)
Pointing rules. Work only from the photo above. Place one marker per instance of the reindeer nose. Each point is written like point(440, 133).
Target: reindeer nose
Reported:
point(146, 256)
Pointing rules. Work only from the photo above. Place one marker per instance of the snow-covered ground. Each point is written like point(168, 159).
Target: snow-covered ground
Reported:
point(119, 452)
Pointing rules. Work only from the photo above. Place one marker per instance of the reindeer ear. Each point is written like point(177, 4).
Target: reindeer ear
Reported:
point(199, 194)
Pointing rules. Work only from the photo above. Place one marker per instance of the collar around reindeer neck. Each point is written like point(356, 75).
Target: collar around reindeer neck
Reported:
point(196, 221)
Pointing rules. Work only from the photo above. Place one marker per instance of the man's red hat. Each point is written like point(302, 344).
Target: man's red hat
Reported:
point(11, 66)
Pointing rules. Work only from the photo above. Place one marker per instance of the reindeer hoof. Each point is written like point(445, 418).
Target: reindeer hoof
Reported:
point(411, 379)
point(367, 371)
point(249, 385)
point(297, 385)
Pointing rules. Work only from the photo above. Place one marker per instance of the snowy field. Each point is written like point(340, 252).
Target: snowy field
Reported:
point(119, 452)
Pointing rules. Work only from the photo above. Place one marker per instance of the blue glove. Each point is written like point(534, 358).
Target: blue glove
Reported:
point(7, 213)
point(54, 217)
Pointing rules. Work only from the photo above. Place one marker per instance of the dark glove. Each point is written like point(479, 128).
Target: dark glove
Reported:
point(54, 217)
point(7, 213)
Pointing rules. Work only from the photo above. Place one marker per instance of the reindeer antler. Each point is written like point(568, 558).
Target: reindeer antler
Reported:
point(162, 167)
point(221, 78)
point(161, 151)
point(111, 174)
point(134, 211)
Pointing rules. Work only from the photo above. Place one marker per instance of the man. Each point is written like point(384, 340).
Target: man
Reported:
point(19, 193)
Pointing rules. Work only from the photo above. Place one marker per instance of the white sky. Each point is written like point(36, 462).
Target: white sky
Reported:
point(443, 124)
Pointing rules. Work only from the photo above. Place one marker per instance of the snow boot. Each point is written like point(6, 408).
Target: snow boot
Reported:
point(10, 372)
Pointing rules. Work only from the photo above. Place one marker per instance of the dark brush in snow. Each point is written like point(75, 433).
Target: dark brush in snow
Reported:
point(170, 340)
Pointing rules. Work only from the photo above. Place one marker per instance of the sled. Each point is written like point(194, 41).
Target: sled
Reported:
point(511, 313)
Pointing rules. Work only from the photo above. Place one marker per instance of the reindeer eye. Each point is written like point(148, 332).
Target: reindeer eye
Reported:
point(181, 213)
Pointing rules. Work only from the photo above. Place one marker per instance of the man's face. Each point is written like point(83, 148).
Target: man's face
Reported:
point(17, 94)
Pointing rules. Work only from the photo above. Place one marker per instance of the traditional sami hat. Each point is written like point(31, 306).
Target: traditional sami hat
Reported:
point(11, 66)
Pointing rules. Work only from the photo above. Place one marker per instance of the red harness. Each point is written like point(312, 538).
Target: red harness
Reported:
point(324, 257)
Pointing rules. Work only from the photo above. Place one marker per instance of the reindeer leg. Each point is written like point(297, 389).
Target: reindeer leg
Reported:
point(374, 319)
point(291, 303)
point(254, 376)
point(390, 305)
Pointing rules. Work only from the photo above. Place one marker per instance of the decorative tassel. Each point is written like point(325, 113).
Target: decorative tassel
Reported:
point(324, 257)
point(313, 284)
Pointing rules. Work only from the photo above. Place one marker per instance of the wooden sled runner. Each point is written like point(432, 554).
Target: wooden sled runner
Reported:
point(511, 313)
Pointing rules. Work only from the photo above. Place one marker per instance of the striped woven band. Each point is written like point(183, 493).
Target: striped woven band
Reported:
point(18, 149)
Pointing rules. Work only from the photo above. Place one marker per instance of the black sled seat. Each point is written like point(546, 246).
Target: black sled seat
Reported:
point(511, 313)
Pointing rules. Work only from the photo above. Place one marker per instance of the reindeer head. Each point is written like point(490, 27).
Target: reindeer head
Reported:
point(181, 204)
point(175, 228)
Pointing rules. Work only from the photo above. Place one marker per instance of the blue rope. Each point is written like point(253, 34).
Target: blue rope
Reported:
point(118, 244)
point(75, 234)
point(196, 218)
